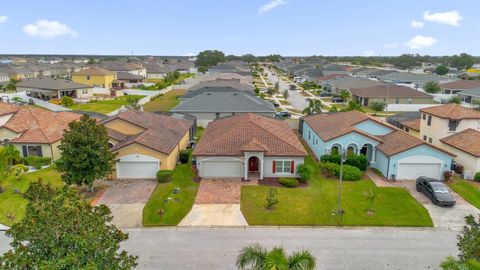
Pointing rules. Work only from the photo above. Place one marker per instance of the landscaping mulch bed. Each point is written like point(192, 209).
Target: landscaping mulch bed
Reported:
point(272, 182)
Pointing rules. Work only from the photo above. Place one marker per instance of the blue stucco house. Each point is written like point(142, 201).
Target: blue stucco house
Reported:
point(395, 153)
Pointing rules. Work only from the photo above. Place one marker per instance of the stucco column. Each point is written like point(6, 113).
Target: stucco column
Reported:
point(245, 167)
point(261, 168)
point(373, 154)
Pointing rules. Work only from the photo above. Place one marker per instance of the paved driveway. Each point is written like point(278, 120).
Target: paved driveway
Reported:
point(126, 199)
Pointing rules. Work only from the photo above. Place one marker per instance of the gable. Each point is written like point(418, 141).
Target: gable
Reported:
point(124, 127)
point(373, 128)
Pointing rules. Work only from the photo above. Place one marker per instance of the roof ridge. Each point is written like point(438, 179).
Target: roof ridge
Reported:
point(38, 122)
point(274, 134)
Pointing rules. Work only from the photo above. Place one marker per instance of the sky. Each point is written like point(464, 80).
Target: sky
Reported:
point(260, 27)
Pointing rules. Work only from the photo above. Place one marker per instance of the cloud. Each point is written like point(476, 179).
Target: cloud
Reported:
point(269, 6)
point(391, 45)
point(416, 24)
point(48, 29)
point(368, 53)
point(191, 54)
point(420, 42)
point(3, 19)
point(450, 17)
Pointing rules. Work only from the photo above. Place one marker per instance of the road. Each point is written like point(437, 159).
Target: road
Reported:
point(296, 99)
point(334, 248)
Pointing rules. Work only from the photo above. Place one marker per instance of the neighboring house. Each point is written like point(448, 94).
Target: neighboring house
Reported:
point(125, 79)
point(347, 83)
point(96, 77)
point(147, 142)
point(407, 121)
point(209, 106)
point(132, 68)
point(471, 96)
point(23, 73)
point(390, 94)
point(458, 86)
point(395, 153)
point(215, 89)
point(412, 80)
point(33, 131)
point(248, 146)
point(219, 82)
point(438, 122)
point(466, 146)
point(4, 78)
point(46, 88)
point(155, 71)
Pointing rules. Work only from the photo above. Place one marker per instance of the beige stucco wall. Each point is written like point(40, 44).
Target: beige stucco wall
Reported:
point(80, 94)
point(7, 134)
point(439, 128)
point(427, 100)
point(46, 150)
point(95, 80)
point(124, 127)
point(469, 162)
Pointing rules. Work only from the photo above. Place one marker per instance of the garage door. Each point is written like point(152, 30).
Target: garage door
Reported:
point(137, 166)
point(217, 169)
point(415, 170)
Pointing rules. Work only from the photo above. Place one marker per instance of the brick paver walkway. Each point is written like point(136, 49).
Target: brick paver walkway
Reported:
point(217, 191)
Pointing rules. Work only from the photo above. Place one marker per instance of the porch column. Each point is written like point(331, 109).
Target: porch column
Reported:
point(245, 167)
point(261, 168)
point(373, 154)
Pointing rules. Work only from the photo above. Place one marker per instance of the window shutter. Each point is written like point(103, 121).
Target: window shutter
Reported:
point(274, 166)
point(292, 166)
point(25, 151)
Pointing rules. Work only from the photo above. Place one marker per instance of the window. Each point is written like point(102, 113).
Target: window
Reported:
point(309, 133)
point(409, 100)
point(233, 113)
point(283, 166)
point(32, 150)
point(88, 77)
point(429, 121)
point(424, 116)
point(217, 115)
point(424, 138)
point(452, 125)
point(85, 91)
point(397, 100)
point(430, 140)
point(407, 129)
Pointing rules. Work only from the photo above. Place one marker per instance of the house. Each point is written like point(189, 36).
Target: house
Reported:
point(395, 153)
point(458, 86)
point(412, 80)
point(248, 146)
point(209, 106)
point(147, 142)
point(96, 77)
point(47, 88)
point(470, 96)
point(347, 83)
point(407, 121)
point(132, 68)
point(125, 79)
point(33, 131)
point(155, 71)
point(219, 85)
point(4, 78)
point(466, 146)
point(390, 94)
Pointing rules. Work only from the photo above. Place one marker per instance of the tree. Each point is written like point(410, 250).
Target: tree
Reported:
point(66, 101)
point(202, 69)
point(209, 58)
point(469, 246)
point(85, 153)
point(377, 106)
point(256, 257)
point(12, 85)
point(462, 61)
point(276, 87)
point(62, 231)
point(132, 102)
point(441, 70)
point(432, 87)
point(407, 61)
point(271, 199)
point(285, 94)
point(454, 99)
point(314, 106)
point(353, 106)
point(333, 108)
point(344, 94)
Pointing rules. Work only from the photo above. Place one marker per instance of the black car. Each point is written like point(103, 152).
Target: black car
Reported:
point(437, 191)
point(325, 94)
point(283, 114)
point(337, 100)
point(276, 105)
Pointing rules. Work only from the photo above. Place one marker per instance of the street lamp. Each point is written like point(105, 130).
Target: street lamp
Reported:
point(339, 203)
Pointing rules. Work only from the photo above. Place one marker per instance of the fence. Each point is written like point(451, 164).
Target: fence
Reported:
point(407, 107)
point(41, 103)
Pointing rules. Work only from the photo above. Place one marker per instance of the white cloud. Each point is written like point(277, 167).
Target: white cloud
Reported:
point(416, 24)
point(450, 17)
point(48, 29)
point(391, 45)
point(3, 19)
point(420, 42)
point(368, 53)
point(269, 6)
point(191, 54)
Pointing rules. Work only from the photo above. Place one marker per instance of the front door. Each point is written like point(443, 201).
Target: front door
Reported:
point(253, 164)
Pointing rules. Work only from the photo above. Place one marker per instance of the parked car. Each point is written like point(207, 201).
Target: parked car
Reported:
point(293, 87)
point(276, 105)
point(437, 191)
point(325, 94)
point(283, 114)
point(337, 100)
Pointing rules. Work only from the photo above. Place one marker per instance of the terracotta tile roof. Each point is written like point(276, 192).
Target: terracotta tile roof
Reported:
point(37, 125)
point(398, 141)
point(452, 111)
point(7, 108)
point(412, 124)
point(461, 85)
point(392, 91)
point(162, 132)
point(231, 136)
point(95, 71)
point(468, 141)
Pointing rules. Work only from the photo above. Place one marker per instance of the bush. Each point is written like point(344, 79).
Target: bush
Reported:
point(359, 161)
point(350, 173)
point(66, 101)
point(37, 162)
point(164, 176)
point(332, 158)
point(184, 156)
point(477, 176)
point(304, 171)
point(288, 182)
point(328, 169)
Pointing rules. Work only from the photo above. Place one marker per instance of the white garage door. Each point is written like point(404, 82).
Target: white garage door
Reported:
point(216, 169)
point(137, 166)
point(407, 171)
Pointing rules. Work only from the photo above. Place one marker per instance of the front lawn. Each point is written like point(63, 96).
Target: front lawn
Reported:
point(468, 190)
point(13, 204)
point(102, 106)
point(164, 102)
point(317, 205)
point(175, 206)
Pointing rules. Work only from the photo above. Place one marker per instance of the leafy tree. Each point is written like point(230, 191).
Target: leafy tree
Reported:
point(407, 61)
point(66, 101)
point(314, 106)
point(285, 94)
point(176, 74)
point(432, 87)
point(256, 257)
point(62, 231)
point(10, 155)
point(454, 99)
point(12, 85)
point(453, 264)
point(377, 106)
point(276, 87)
point(344, 94)
point(353, 106)
point(132, 102)
point(333, 108)
point(271, 199)
point(85, 153)
point(469, 246)
point(462, 61)
point(209, 58)
point(441, 70)
point(202, 69)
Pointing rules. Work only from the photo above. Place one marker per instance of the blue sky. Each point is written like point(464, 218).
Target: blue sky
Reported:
point(287, 27)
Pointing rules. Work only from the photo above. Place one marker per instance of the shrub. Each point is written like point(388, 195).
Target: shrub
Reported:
point(350, 173)
point(184, 156)
point(288, 182)
point(164, 176)
point(304, 171)
point(271, 199)
point(332, 158)
point(359, 161)
point(477, 176)
point(66, 101)
point(328, 169)
point(37, 162)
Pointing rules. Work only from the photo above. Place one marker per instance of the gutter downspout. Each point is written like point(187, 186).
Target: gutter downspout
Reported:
point(388, 169)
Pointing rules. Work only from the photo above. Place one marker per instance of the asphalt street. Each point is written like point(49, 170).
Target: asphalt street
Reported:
point(296, 99)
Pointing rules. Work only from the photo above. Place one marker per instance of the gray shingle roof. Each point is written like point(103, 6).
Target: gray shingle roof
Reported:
point(475, 92)
point(51, 84)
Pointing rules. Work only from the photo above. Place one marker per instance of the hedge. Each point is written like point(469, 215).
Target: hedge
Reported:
point(164, 176)
point(304, 171)
point(288, 182)
point(359, 161)
point(477, 176)
point(184, 156)
point(37, 162)
point(350, 173)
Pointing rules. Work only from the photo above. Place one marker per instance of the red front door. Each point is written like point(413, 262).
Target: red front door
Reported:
point(253, 164)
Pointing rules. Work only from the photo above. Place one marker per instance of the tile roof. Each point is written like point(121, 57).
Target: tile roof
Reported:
point(231, 136)
point(468, 141)
point(352, 82)
point(393, 91)
point(398, 141)
point(162, 132)
point(51, 84)
point(95, 71)
point(37, 125)
point(412, 124)
point(452, 111)
point(461, 84)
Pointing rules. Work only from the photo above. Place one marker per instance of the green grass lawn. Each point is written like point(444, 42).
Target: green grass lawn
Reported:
point(469, 191)
point(174, 211)
point(14, 204)
point(103, 106)
point(317, 205)
point(165, 102)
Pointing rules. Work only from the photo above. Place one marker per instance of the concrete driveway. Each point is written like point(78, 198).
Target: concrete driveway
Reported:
point(126, 199)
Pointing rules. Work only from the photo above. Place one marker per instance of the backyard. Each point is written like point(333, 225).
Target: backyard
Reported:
point(469, 190)
point(164, 102)
point(103, 106)
point(316, 204)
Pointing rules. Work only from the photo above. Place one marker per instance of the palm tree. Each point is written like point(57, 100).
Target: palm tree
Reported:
point(314, 106)
point(344, 94)
point(255, 257)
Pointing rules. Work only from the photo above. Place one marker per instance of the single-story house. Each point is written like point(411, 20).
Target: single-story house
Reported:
point(347, 83)
point(395, 153)
point(407, 121)
point(156, 71)
point(209, 106)
point(33, 131)
point(390, 94)
point(470, 96)
point(47, 88)
point(466, 146)
point(460, 85)
point(147, 142)
point(248, 146)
